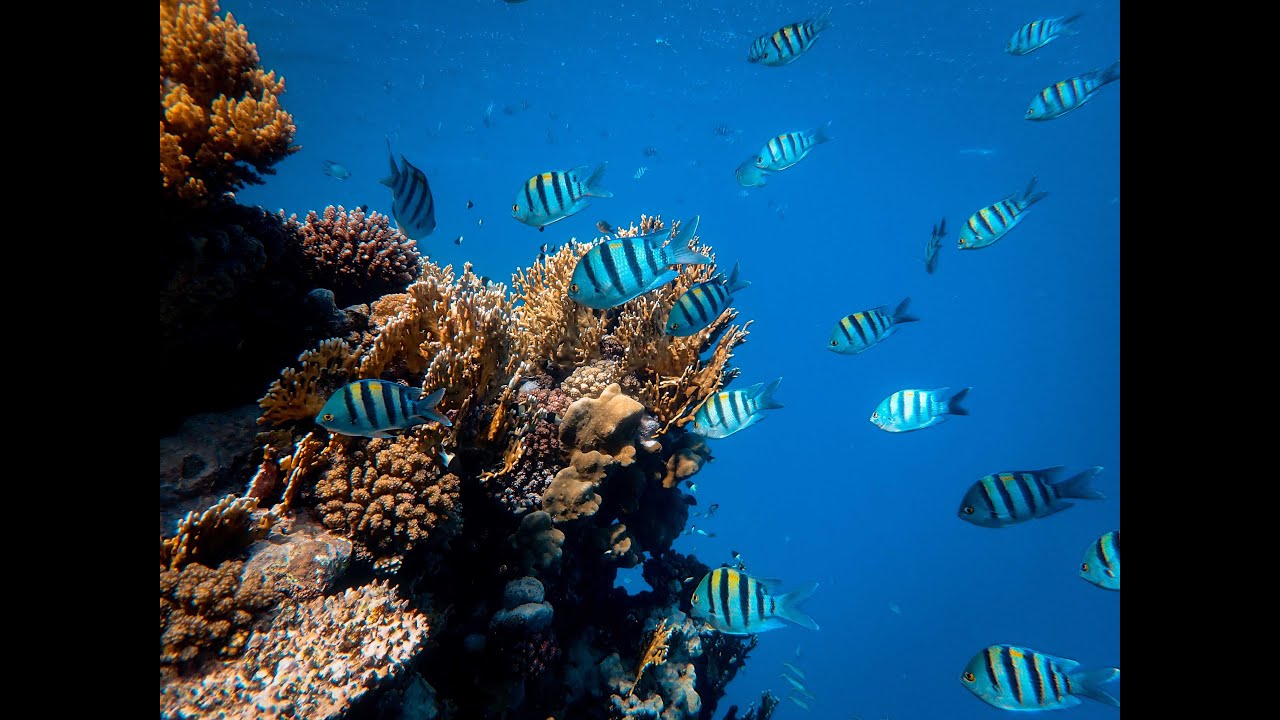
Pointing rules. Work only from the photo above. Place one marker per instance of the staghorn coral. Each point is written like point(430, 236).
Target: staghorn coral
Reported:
point(317, 659)
point(215, 534)
point(299, 394)
point(356, 256)
point(389, 496)
point(221, 124)
point(208, 610)
point(655, 652)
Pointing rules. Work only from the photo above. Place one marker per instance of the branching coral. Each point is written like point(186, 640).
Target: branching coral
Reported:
point(389, 496)
point(299, 394)
point(221, 124)
point(213, 535)
point(356, 256)
point(316, 660)
point(655, 652)
point(203, 608)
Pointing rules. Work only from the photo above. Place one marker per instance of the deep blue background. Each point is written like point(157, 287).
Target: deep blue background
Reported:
point(815, 492)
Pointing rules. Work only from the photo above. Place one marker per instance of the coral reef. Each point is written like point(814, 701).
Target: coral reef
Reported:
point(221, 124)
point(356, 256)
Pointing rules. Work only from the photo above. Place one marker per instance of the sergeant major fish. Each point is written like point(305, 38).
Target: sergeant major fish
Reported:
point(700, 305)
point(1007, 498)
point(994, 221)
point(749, 175)
point(378, 409)
point(912, 409)
point(725, 413)
point(550, 197)
point(790, 148)
point(789, 42)
point(1018, 678)
point(859, 331)
point(737, 604)
point(622, 269)
point(1064, 96)
point(1038, 33)
point(1101, 564)
point(933, 246)
point(411, 202)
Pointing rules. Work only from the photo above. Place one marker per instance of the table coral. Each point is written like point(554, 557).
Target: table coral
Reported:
point(221, 123)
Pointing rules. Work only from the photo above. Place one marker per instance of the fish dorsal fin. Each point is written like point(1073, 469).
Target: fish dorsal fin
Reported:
point(770, 584)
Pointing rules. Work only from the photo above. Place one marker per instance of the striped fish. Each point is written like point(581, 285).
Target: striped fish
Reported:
point(790, 148)
point(933, 246)
point(993, 221)
point(1064, 96)
point(553, 196)
point(1007, 498)
point(622, 269)
point(701, 304)
point(1038, 33)
point(789, 42)
point(725, 413)
point(735, 603)
point(412, 205)
point(1101, 564)
point(378, 409)
point(859, 331)
point(912, 409)
point(1018, 678)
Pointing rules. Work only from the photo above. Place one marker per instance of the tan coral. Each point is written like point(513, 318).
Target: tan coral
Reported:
point(318, 658)
point(299, 394)
point(208, 609)
point(221, 124)
point(215, 534)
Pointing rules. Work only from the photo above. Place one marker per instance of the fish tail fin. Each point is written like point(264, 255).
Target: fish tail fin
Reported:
point(1077, 486)
point(821, 22)
point(941, 228)
point(1029, 199)
point(390, 180)
point(681, 253)
point(1068, 24)
point(953, 403)
point(1109, 74)
point(823, 134)
point(734, 284)
point(765, 396)
point(900, 313)
point(424, 407)
point(789, 607)
point(1089, 684)
point(592, 185)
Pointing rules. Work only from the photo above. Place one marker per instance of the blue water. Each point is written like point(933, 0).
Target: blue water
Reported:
point(916, 93)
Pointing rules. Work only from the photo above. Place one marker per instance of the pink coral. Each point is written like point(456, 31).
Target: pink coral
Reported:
point(356, 256)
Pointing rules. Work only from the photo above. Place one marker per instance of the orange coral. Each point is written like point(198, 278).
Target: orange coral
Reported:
point(221, 124)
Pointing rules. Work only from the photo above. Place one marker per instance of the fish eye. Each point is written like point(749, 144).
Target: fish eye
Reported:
point(327, 417)
point(515, 208)
point(968, 509)
point(675, 326)
point(968, 677)
point(1084, 567)
point(1030, 112)
point(759, 159)
point(695, 597)
point(573, 289)
point(834, 343)
point(962, 241)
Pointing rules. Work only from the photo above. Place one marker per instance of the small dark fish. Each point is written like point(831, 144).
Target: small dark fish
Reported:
point(650, 151)
point(364, 208)
point(334, 170)
point(544, 247)
point(458, 241)
point(932, 247)
point(470, 204)
point(604, 227)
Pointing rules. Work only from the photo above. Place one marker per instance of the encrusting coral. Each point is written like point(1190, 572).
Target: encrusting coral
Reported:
point(221, 124)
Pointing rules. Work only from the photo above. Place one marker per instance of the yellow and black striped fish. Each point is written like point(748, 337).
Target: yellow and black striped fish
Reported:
point(379, 409)
point(994, 221)
point(1101, 564)
point(701, 304)
point(412, 204)
point(623, 269)
point(1008, 498)
point(550, 197)
point(789, 42)
point(1018, 678)
point(1064, 96)
point(859, 331)
point(737, 604)
point(790, 148)
point(1038, 33)
point(725, 413)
